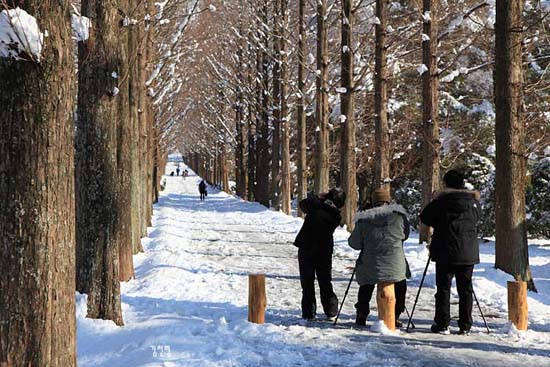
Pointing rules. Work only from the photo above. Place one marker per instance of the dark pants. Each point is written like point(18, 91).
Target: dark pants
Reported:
point(443, 278)
point(203, 195)
point(310, 266)
point(365, 295)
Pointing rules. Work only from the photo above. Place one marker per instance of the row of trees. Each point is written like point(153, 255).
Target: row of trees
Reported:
point(81, 158)
point(368, 94)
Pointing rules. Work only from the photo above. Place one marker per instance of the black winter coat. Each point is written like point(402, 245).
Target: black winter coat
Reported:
point(454, 218)
point(322, 219)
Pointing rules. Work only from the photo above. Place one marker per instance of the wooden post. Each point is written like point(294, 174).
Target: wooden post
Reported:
point(385, 297)
point(517, 304)
point(256, 298)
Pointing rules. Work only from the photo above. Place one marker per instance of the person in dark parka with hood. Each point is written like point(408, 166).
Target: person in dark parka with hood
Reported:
point(315, 246)
point(454, 248)
point(379, 233)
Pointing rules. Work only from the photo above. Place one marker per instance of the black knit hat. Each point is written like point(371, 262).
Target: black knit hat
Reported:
point(454, 179)
point(337, 196)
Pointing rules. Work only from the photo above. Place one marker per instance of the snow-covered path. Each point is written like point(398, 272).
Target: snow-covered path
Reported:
point(189, 300)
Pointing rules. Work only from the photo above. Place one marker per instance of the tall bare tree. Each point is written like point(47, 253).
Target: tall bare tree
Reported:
point(301, 105)
point(124, 158)
point(262, 127)
point(285, 123)
point(276, 100)
point(97, 252)
point(347, 154)
point(382, 153)
point(37, 211)
point(512, 254)
point(240, 126)
point(430, 108)
point(321, 183)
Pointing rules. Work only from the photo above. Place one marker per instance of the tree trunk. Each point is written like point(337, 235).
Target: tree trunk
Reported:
point(240, 150)
point(276, 131)
point(512, 254)
point(430, 110)
point(251, 157)
point(285, 125)
point(301, 106)
point(262, 142)
point(224, 170)
point(37, 212)
point(321, 105)
point(97, 252)
point(382, 153)
point(134, 43)
point(124, 159)
point(347, 155)
point(143, 117)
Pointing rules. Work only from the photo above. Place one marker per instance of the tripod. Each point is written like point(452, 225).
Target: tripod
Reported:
point(418, 295)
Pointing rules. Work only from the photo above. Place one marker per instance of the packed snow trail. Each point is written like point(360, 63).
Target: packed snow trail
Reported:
point(188, 303)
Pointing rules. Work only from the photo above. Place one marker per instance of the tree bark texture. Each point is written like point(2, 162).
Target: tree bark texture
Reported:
point(382, 138)
point(134, 44)
point(251, 155)
point(97, 254)
point(37, 210)
point(285, 125)
point(347, 155)
point(512, 255)
point(321, 182)
point(276, 95)
point(430, 110)
point(262, 141)
point(124, 158)
point(240, 127)
point(301, 106)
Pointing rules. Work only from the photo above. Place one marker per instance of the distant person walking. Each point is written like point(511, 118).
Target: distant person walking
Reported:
point(185, 174)
point(202, 190)
point(178, 171)
point(454, 248)
point(315, 246)
point(379, 233)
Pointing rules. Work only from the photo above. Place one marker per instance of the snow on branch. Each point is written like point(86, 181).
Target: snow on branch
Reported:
point(20, 37)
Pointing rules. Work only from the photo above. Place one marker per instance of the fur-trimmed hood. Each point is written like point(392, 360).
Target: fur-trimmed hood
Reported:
point(381, 210)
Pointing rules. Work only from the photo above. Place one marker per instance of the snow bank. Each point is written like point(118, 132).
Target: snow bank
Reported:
point(20, 37)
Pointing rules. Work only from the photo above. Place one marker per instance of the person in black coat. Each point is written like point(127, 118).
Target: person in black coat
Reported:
point(454, 248)
point(315, 242)
point(202, 190)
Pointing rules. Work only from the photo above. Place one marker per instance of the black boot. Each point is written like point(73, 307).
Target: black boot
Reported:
point(361, 319)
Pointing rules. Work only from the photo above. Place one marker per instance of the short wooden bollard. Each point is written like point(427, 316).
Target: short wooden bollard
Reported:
point(385, 298)
point(256, 298)
point(517, 304)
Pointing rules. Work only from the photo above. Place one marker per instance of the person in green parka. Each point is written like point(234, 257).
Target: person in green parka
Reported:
point(379, 233)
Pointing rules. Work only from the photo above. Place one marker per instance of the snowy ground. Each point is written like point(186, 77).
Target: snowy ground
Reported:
point(188, 303)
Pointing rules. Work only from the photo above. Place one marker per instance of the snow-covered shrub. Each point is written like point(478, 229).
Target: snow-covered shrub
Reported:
point(20, 37)
point(538, 199)
point(408, 192)
point(480, 173)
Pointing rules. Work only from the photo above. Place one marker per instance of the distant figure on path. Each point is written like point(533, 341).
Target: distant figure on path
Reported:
point(202, 190)
point(453, 214)
point(178, 171)
point(185, 174)
point(315, 243)
point(379, 233)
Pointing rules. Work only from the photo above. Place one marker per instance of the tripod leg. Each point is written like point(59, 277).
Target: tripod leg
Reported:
point(345, 295)
point(481, 312)
point(418, 293)
point(409, 315)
